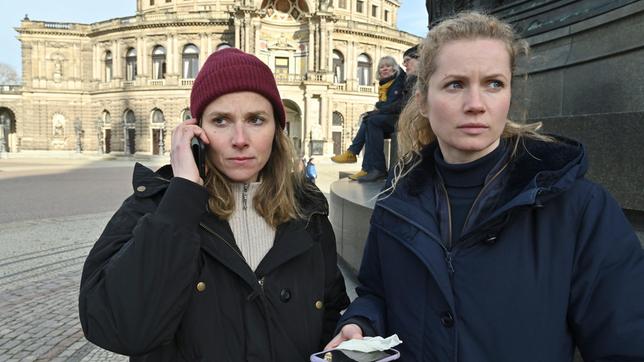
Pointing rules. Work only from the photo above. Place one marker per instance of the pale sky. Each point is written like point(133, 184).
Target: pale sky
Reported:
point(412, 18)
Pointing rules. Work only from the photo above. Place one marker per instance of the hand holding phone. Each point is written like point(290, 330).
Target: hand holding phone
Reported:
point(188, 152)
point(199, 153)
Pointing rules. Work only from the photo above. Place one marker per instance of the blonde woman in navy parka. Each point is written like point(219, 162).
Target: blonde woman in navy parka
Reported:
point(488, 243)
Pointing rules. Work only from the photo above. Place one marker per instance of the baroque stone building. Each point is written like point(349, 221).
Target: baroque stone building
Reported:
point(121, 85)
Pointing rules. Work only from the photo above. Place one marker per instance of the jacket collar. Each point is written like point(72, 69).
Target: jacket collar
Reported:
point(291, 240)
point(535, 173)
point(152, 182)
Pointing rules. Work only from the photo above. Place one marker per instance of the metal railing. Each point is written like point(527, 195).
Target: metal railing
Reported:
point(156, 82)
point(288, 77)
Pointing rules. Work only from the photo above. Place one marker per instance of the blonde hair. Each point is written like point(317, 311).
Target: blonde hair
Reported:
point(414, 130)
point(388, 60)
point(275, 199)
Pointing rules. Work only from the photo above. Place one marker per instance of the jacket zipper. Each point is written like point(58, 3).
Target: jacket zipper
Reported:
point(469, 213)
point(449, 218)
point(234, 247)
point(245, 197)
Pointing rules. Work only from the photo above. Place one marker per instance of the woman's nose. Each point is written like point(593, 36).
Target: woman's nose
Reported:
point(473, 101)
point(240, 139)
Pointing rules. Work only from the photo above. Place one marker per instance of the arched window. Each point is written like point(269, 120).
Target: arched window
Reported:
point(364, 69)
point(338, 119)
point(223, 46)
point(338, 67)
point(130, 64)
point(185, 114)
point(107, 118)
point(129, 118)
point(190, 61)
point(158, 62)
point(157, 116)
point(108, 66)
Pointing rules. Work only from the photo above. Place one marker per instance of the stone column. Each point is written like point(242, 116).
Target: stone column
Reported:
point(169, 56)
point(117, 60)
point(140, 55)
point(323, 45)
point(203, 49)
point(237, 32)
point(40, 59)
point(311, 47)
point(96, 63)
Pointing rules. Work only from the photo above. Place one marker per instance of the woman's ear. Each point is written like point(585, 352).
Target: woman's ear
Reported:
point(422, 105)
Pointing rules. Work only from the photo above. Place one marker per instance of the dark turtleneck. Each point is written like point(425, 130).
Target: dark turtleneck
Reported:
point(464, 182)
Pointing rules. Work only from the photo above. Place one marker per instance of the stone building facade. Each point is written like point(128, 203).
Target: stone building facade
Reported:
point(122, 85)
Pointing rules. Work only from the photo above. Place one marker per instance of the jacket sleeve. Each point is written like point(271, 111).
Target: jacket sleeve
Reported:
point(606, 310)
point(369, 306)
point(136, 280)
point(335, 294)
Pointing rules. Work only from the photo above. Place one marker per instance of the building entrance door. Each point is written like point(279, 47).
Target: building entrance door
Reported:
point(131, 140)
point(156, 137)
point(337, 142)
point(108, 141)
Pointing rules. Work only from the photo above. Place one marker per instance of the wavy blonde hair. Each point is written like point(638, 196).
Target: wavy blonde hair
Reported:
point(414, 130)
point(275, 199)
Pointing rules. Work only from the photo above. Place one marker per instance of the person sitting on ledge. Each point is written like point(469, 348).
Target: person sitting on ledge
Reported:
point(375, 124)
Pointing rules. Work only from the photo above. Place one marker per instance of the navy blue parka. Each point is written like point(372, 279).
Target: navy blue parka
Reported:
point(546, 262)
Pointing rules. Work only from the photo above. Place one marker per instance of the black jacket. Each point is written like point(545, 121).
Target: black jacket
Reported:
point(546, 262)
point(166, 281)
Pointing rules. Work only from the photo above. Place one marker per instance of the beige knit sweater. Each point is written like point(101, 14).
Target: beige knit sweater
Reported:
point(254, 236)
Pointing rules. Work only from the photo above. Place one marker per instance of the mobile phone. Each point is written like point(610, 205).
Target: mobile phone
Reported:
point(199, 153)
point(337, 355)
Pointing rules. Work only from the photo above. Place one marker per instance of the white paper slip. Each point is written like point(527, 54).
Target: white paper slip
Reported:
point(370, 344)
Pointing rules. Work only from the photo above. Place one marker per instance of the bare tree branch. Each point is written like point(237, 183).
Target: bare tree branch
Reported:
point(7, 74)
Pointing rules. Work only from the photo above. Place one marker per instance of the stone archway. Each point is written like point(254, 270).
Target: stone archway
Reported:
point(8, 142)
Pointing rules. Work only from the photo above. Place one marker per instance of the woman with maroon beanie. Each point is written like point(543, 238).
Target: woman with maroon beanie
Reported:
point(238, 265)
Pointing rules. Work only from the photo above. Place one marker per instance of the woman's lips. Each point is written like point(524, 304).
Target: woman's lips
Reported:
point(473, 128)
point(240, 160)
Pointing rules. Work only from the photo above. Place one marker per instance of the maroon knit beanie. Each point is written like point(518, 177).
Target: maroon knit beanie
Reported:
point(230, 70)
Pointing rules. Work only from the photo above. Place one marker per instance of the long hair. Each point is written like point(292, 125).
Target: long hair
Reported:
point(415, 131)
point(275, 199)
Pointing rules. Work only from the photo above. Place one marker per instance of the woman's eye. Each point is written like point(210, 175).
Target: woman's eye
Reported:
point(496, 84)
point(256, 121)
point(454, 85)
point(219, 121)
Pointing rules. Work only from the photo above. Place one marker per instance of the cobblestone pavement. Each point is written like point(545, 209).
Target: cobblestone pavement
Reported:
point(39, 279)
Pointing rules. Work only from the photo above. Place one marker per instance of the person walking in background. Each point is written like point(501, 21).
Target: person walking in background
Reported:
point(382, 120)
point(239, 265)
point(311, 171)
point(506, 250)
